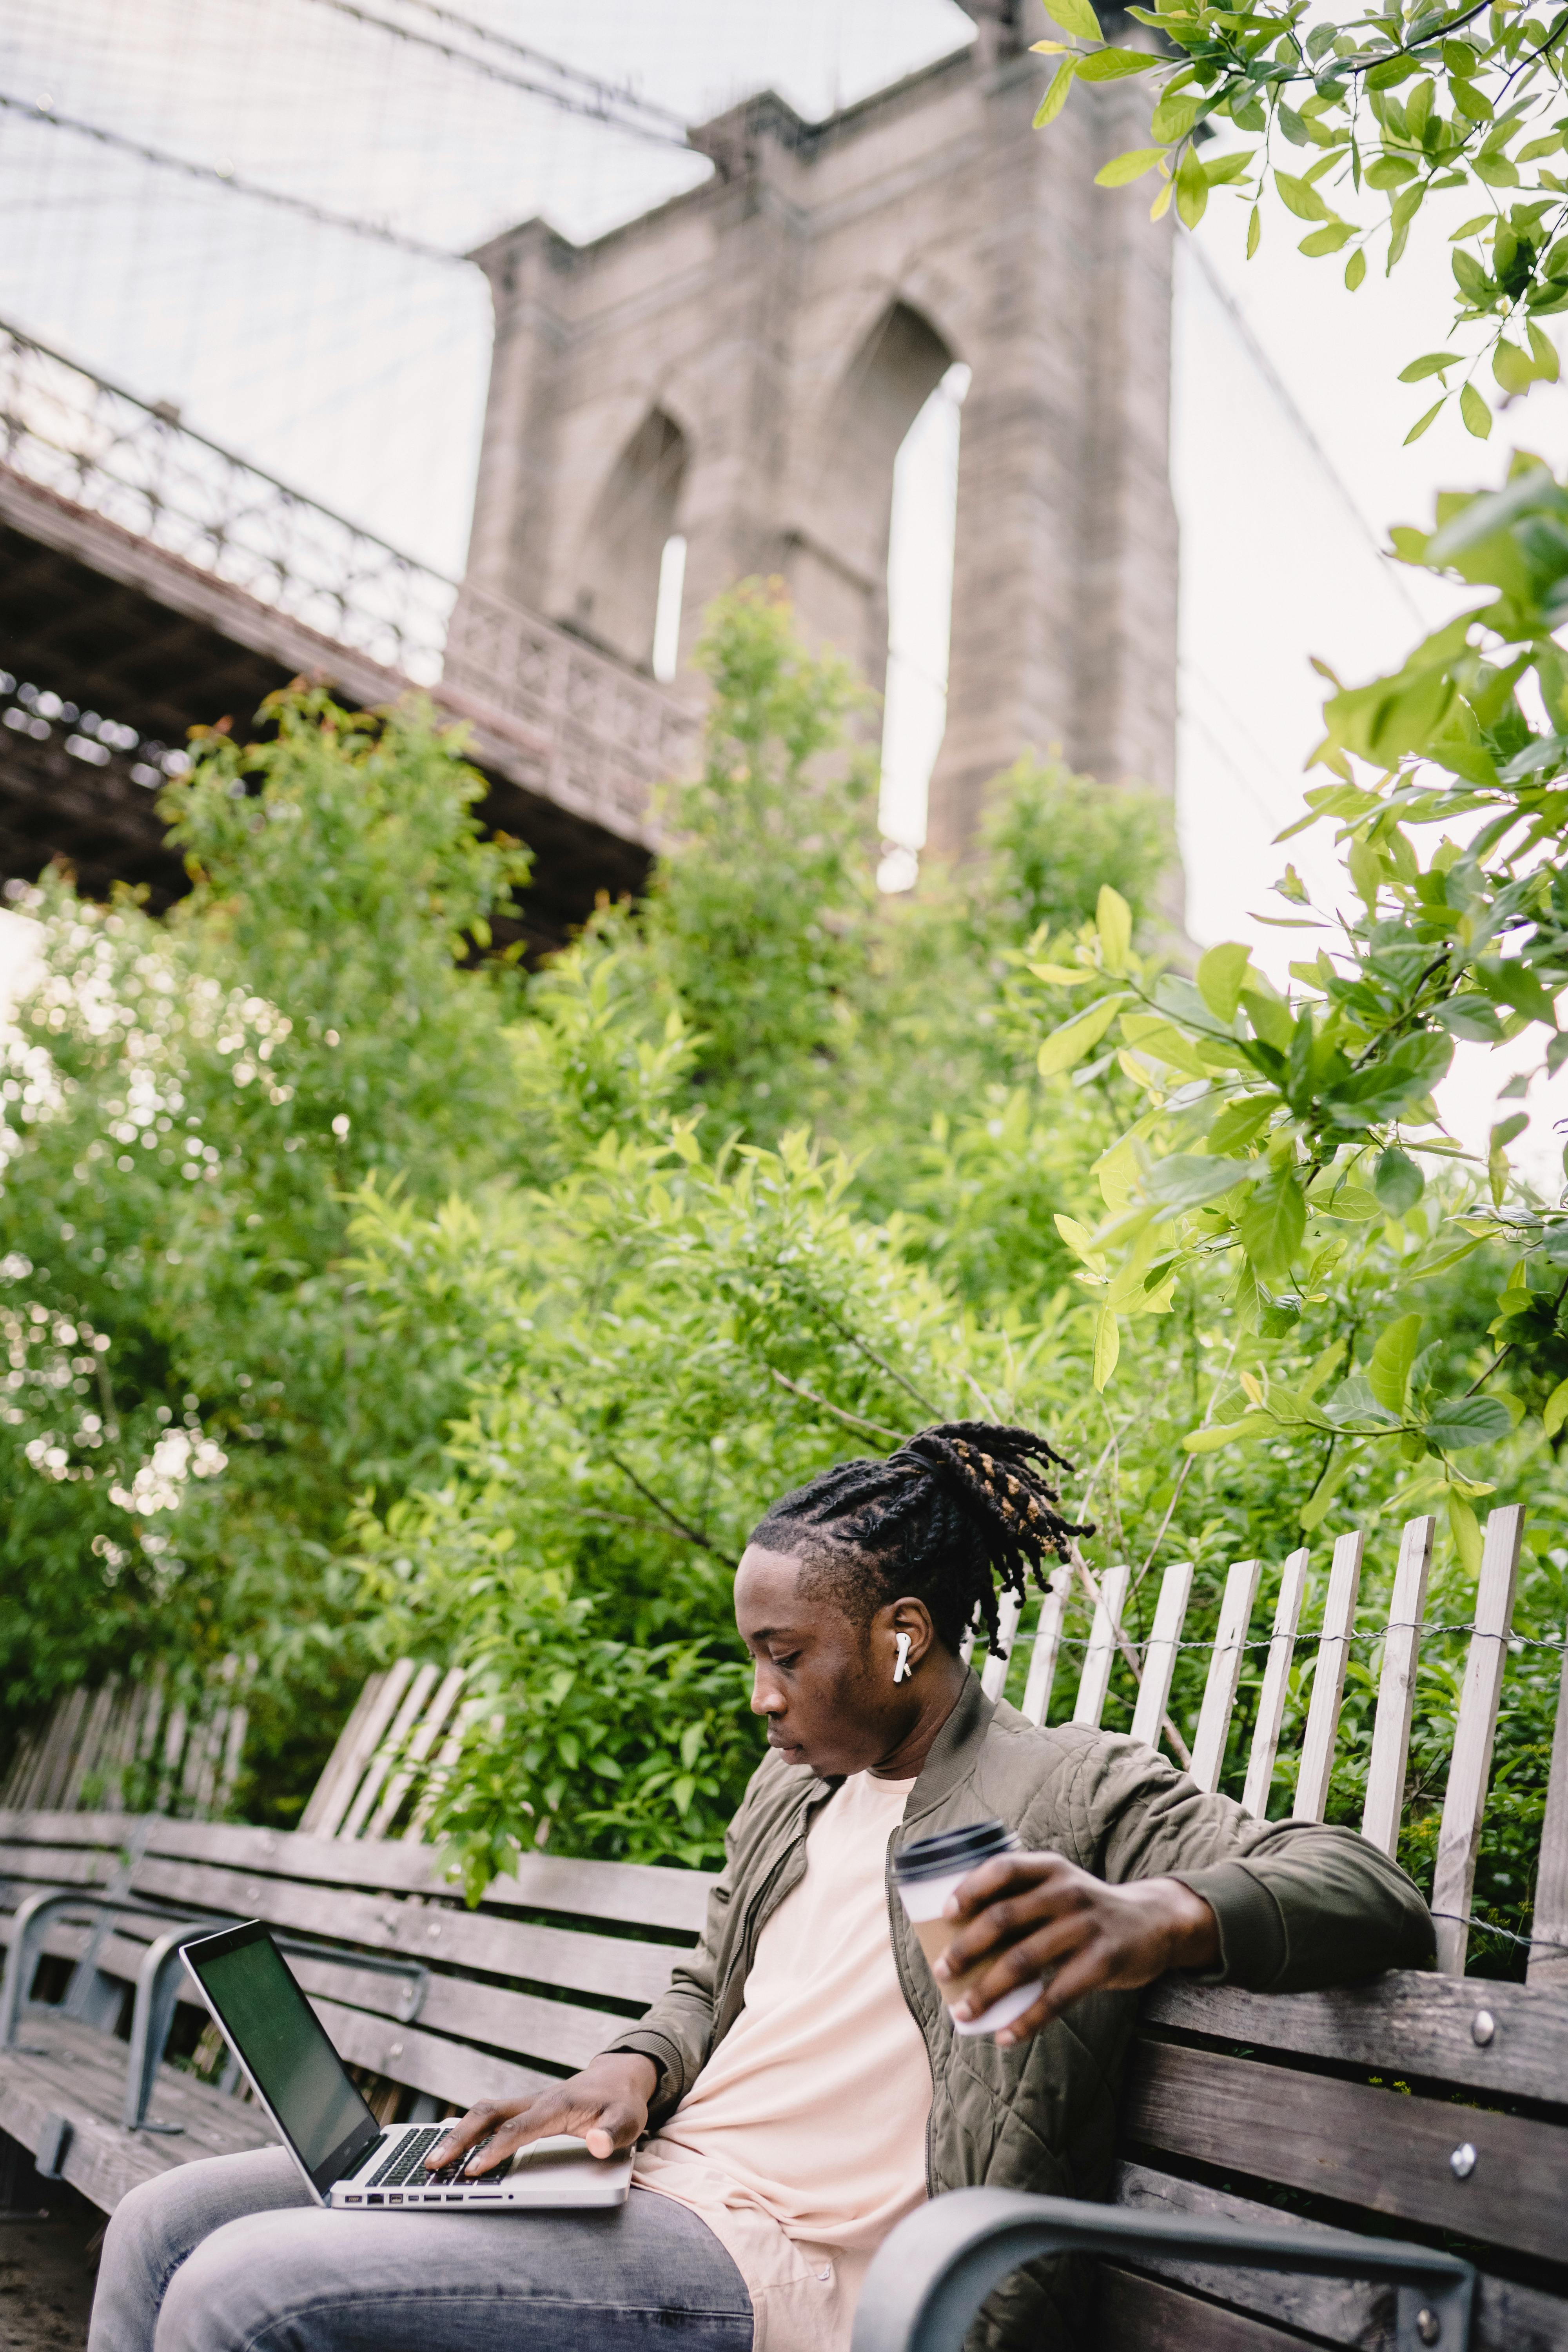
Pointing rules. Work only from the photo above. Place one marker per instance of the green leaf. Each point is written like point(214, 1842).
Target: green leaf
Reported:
point(1187, 1178)
point(1056, 98)
point(1076, 16)
point(1068, 1045)
point(1254, 232)
point(1220, 976)
point(1239, 1122)
point(1461, 1422)
point(1122, 170)
point(1192, 189)
point(1327, 240)
point(1421, 424)
point(1272, 1225)
point(1430, 364)
point(1111, 65)
point(1555, 1412)
point(1465, 1529)
point(1318, 1504)
point(1388, 1368)
point(1113, 921)
point(1514, 369)
point(1210, 1440)
point(1301, 197)
point(1471, 101)
point(1173, 117)
point(1355, 268)
point(1397, 1181)
point(1107, 1347)
point(1470, 1015)
point(1477, 416)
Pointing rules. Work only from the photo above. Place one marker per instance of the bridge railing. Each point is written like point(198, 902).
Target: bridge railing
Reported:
point(136, 465)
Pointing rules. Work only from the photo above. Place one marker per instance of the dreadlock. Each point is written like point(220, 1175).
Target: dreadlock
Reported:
point(959, 1513)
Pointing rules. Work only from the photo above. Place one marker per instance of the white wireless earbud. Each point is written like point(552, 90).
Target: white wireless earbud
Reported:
point(901, 1670)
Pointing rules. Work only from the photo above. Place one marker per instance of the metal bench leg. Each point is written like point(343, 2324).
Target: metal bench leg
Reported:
point(28, 1930)
point(157, 1995)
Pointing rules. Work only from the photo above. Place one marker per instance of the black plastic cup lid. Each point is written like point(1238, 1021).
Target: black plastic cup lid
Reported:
point(952, 1851)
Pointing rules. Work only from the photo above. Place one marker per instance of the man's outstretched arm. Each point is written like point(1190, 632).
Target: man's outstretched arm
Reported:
point(1184, 1880)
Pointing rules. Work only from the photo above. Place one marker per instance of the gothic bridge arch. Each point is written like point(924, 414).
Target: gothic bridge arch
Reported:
point(741, 363)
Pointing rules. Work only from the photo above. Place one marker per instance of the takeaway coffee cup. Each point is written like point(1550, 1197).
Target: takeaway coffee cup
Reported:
point(925, 1874)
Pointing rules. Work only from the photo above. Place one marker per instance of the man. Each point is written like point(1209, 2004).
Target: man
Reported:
point(802, 2076)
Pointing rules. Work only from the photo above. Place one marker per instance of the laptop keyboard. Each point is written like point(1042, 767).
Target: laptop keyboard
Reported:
point(408, 2154)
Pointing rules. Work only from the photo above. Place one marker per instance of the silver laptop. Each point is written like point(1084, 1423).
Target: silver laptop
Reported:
point(346, 2156)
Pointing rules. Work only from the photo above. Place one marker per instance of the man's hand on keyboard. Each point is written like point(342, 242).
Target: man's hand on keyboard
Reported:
point(606, 2105)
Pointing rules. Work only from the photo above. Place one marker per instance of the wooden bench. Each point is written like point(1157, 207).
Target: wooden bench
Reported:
point(438, 2004)
point(1241, 2112)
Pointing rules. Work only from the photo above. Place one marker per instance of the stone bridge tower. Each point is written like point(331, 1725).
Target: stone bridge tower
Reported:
point(741, 364)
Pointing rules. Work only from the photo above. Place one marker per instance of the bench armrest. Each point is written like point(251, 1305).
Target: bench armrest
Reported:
point(938, 2266)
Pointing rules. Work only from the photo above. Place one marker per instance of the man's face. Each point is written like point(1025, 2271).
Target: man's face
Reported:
point(814, 1673)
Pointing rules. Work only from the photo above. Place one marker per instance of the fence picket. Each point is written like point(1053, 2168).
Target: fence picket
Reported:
point(423, 1737)
point(1276, 1685)
point(1329, 1679)
point(451, 1748)
point(1160, 1657)
point(1549, 1958)
point(357, 1744)
point(1396, 1688)
point(1046, 1650)
point(1225, 1672)
point(993, 1678)
point(1100, 1654)
point(389, 1752)
point(1469, 1768)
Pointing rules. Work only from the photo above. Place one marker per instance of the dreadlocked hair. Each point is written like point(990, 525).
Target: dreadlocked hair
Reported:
point(959, 1515)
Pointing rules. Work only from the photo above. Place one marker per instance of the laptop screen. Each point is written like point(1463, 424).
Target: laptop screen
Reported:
point(285, 2050)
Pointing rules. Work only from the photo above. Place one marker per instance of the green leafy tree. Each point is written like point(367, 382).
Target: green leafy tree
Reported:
point(194, 1393)
point(1384, 109)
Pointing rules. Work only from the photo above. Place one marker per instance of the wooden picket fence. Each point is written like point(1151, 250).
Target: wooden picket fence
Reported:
point(158, 1746)
point(381, 1764)
point(1042, 1624)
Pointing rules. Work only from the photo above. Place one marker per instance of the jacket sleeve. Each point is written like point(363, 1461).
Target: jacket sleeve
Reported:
point(1300, 1905)
point(678, 2032)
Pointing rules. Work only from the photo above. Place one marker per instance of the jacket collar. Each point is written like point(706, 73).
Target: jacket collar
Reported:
point(954, 1752)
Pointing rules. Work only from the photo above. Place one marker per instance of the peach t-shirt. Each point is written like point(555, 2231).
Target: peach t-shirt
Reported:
point(803, 2140)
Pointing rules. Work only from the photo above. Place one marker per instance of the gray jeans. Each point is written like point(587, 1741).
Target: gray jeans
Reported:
point(230, 2253)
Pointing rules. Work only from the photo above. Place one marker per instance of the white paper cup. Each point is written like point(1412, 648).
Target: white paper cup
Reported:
point(924, 1900)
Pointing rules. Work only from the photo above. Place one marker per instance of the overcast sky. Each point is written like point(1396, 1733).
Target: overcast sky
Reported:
point(356, 373)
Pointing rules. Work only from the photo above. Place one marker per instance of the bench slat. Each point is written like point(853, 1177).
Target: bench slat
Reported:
point(60, 1866)
point(504, 1947)
point(1362, 2147)
point(517, 2022)
point(1347, 2311)
point(1407, 2023)
point(1144, 2315)
point(425, 2062)
point(650, 1894)
point(1508, 2317)
point(83, 2075)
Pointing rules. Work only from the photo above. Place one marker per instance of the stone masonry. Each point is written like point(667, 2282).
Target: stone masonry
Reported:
point(740, 365)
